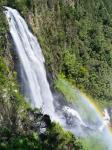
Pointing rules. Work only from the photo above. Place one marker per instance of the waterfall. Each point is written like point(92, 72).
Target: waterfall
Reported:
point(81, 118)
point(33, 74)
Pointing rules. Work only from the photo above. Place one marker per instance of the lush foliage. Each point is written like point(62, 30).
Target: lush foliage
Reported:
point(21, 5)
point(31, 138)
point(79, 43)
point(58, 139)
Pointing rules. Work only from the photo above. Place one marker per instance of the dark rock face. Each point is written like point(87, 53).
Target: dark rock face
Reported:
point(50, 4)
point(36, 121)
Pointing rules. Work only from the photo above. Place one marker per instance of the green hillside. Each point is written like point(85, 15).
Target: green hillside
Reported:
point(79, 43)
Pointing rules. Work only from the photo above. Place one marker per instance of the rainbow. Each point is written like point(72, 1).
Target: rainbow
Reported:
point(96, 107)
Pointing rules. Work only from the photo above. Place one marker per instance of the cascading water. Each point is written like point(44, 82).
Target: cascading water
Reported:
point(81, 118)
point(36, 88)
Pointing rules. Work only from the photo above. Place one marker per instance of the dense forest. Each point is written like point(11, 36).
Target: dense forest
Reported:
point(76, 40)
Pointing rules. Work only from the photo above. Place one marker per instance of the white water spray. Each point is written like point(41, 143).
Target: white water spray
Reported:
point(74, 113)
point(106, 120)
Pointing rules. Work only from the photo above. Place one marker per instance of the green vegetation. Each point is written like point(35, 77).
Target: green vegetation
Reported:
point(69, 90)
point(22, 5)
point(58, 139)
point(53, 141)
point(96, 143)
point(29, 136)
point(78, 44)
point(66, 88)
